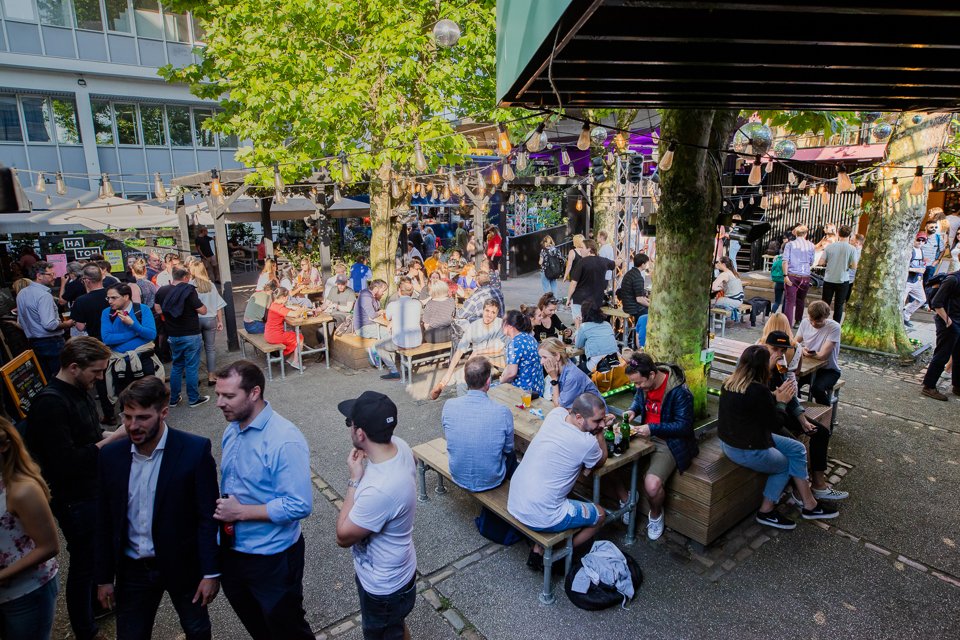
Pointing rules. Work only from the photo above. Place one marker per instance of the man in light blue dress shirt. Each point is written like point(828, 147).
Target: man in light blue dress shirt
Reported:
point(265, 478)
point(479, 433)
point(39, 317)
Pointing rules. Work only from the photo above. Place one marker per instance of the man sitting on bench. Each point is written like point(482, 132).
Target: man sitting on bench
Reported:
point(479, 433)
point(569, 444)
point(484, 337)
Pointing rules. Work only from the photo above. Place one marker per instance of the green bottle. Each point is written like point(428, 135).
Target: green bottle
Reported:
point(625, 433)
point(610, 439)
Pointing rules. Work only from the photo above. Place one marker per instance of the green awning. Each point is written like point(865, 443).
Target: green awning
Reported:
point(522, 28)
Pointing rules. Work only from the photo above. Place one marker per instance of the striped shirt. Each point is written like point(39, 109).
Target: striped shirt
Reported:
point(798, 254)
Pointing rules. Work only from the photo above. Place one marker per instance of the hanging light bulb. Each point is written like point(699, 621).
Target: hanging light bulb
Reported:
point(760, 190)
point(494, 177)
point(503, 140)
point(419, 160)
point(895, 190)
point(751, 199)
point(452, 182)
point(916, 187)
point(508, 173)
point(769, 167)
point(278, 185)
point(734, 189)
point(564, 156)
point(825, 197)
point(523, 160)
point(537, 181)
point(216, 189)
point(543, 202)
point(802, 185)
point(481, 185)
point(394, 188)
point(666, 161)
point(102, 191)
point(571, 172)
point(159, 191)
point(505, 187)
point(48, 200)
point(61, 185)
point(446, 192)
point(336, 193)
point(106, 190)
point(41, 183)
point(109, 209)
point(620, 141)
point(583, 140)
point(433, 191)
point(812, 191)
point(345, 172)
point(843, 180)
point(791, 178)
point(579, 203)
point(610, 157)
point(537, 139)
point(787, 189)
point(764, 202)
point(755, 177)
point(741, 203)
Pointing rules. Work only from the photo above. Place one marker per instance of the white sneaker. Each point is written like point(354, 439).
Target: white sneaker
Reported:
point(654, 527)
point(625, 518)
point(830, 494)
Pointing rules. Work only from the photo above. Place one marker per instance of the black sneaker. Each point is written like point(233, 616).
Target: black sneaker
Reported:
point(820, 512)
point(908, 324)
point(200, 401)
point(774, 519)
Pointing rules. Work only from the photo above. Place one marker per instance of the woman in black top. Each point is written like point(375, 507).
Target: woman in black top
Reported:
point(749, 413)
point(550, 325)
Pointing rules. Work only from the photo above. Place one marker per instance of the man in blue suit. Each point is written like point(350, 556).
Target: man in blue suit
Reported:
point(155, 526)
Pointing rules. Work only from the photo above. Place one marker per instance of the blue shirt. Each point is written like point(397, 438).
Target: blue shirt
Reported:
point(522, 351)
point(120, 337)
point(359, 274)
point(479, 435)
point(596, 339)
point(268, 463)
point(37, 312)
point(573, 383)
point(365, 310)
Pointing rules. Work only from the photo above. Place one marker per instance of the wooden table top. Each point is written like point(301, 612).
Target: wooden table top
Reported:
point(309, 320)
point(526, 425)
point(615, 312)
point(309, 291)
point(732, 349)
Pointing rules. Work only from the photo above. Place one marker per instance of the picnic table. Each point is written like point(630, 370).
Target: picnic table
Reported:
point(729, 351)
point(526, 425)
point(311, 321)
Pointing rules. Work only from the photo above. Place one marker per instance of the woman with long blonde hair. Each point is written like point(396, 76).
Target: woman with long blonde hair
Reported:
point(578, 251)
point(268, 273)
point(28, 543)
point(212, 321)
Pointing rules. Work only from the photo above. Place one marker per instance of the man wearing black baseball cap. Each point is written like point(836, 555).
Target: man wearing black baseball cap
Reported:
point(376, 519)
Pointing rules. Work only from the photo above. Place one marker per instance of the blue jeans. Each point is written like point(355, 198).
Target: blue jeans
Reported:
point(548, 285)
point(777, 296)
point(78, 522)
point(256, 326)
point(382, 616)
point(579, 514)
point(139, 591)
point(786, 459)
point(185, 351)
point(48, 351)
point(30, 617)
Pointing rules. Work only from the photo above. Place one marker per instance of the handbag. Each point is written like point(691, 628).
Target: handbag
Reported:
point(494, 528)
point(614, 378)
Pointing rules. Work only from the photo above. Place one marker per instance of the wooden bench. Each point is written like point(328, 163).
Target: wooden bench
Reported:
point(718, 320)
point(426, 352)
point(258, 342)
point(350, 350)
point(433, 455)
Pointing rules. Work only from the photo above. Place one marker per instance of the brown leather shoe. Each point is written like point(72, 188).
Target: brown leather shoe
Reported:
point(933, 393)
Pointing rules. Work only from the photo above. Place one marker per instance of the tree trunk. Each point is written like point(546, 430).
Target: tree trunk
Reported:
point(686, 224)
point(385, 227)
point(873, 318)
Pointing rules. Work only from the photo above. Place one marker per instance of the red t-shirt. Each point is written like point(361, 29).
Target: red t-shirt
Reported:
point(655, 402)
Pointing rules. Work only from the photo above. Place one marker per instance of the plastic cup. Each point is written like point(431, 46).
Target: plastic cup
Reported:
point(527, 398)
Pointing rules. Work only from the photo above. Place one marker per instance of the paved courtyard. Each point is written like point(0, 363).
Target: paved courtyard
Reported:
point(888, 567)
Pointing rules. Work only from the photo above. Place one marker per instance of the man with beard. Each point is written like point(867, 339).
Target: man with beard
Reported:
point(155, 526)
point(267, 492)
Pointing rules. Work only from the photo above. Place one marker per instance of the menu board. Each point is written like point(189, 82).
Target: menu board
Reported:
point(24, 380)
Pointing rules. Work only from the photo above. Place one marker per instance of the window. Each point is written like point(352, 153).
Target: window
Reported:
point(36, 116)
point(9, 120)
point(151, 120)
point(176, 27)
point(19, 10)
point(147, 16)
point(55, 12)
point(199, 35)
point(65, 120)
point(229, 141)
point(118, 15)
point(88, 14)
point(126, 118)
point(179, 119)
point(205, 137)
point(102, 121)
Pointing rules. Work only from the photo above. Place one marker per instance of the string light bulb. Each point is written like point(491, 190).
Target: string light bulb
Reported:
point(825, 197)
point(916, 187)
point(895, 190)
point(751, 199)
point(564, 156)
point(755, 177)
point(583, 140)
point(419, 160)
point(278, 186)
point(508, 173)
point(537, 181)
point(523, 160)
point(49, 200)
point(433, 192)
point(802, 185)
point(579, 203)
point(571, 172)
point(345, 172)
point(446, 192)
point(537, 139)
point(159, 191)
point(734, 189)
point(764, 201)
point(769, 168)
point(61, 185)
point(216, 189)
point(843, 180)
point(791, 178)
point(620, 141)
point(543, 203)
point(41, 183)
point(666, 161)
point(503, 140)
point(481, 185)
point(741, 203)
point(106, 189)
point(394, 188)
point(494, 177)
point(336, 193)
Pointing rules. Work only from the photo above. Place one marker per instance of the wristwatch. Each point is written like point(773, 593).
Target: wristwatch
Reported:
point(353, 483)
point(555, 383)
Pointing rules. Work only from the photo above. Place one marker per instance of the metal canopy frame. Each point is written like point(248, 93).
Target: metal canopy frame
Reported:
point(884, 55)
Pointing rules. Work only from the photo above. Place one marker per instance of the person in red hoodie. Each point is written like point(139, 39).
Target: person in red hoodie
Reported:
point(494, 248)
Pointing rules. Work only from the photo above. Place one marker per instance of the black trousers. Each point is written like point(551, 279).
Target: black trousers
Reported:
point(266, 592)
point(78, 523)
point(140, 589)
point(837, 292)
point(948, 345)
point(822, 385)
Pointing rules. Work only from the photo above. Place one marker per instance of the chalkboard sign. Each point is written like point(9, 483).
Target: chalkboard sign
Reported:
point(24, 380)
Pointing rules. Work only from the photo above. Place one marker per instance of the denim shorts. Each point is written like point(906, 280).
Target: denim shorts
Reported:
point(382, 616)
point(579, 514)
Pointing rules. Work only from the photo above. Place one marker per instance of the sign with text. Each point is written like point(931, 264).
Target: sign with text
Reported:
point(115, 258)
point(85, 253)
point(74, 243)
point(59, 263)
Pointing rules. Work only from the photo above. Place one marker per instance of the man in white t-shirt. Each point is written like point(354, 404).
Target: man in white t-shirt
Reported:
point(820, 337)
point(606, 251)
point(568, 444)
point(376, 519)
point(403, 319)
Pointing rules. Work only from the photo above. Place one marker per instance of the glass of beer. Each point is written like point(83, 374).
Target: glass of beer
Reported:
point(782, 364)
point(527, 398)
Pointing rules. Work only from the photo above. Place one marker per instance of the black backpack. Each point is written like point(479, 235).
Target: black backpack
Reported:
point(934, 282)
point(600, 596)
point(553, 266)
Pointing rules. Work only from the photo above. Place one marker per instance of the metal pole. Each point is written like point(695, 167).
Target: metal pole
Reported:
point(184, 227)
point(226, 278)
point(265, 204)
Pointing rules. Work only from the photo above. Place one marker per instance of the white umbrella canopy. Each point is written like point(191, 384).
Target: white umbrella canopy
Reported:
point(247, 209)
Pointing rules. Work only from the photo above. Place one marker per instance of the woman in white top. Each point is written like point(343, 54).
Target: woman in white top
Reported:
point(727, 288)
point(28, 544)
point(212, 321)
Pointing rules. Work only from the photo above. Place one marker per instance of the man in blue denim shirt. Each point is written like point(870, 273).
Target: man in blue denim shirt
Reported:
point(266, 481)
point(479, 433)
